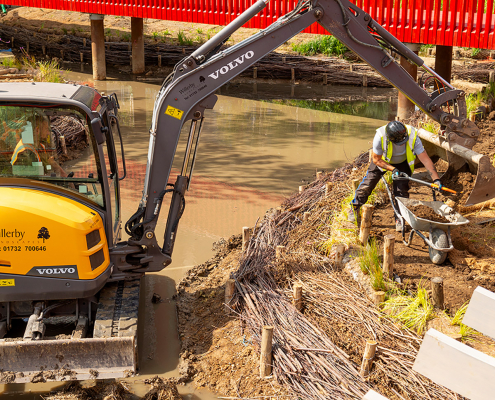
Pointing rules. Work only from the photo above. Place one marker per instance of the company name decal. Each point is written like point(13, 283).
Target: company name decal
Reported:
point(232, 65)
point(59, 271)
point(15, 234)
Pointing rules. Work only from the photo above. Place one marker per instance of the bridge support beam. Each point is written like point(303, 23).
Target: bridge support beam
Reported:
point(137, 36)
point(443, 62)
point(405, 107)
point(98, 47)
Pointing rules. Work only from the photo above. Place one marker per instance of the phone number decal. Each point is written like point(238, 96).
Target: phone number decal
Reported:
point(26, 248)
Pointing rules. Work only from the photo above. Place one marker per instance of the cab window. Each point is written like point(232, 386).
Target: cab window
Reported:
point(51, 144)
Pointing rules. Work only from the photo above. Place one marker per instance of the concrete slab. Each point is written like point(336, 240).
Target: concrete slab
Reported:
point(456, 366)
point(480, 314)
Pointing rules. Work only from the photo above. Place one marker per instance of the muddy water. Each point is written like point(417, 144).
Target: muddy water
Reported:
point(252, 153)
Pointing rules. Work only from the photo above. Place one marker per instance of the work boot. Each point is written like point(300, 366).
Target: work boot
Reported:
point(354, 214)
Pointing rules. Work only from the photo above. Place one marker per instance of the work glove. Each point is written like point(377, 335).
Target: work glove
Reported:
point(439, 184)
point(396, 174)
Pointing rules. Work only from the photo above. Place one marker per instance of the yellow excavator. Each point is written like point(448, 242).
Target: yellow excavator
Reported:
point(62, 257)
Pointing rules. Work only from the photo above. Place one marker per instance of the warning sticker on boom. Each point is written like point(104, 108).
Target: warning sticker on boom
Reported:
point(7, 282)
point(174, 112)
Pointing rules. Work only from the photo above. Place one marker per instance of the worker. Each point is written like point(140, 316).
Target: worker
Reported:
point(40, 144)
point(395, 147)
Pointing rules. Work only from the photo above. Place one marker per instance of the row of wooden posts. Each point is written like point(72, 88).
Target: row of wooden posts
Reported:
point(297, 299)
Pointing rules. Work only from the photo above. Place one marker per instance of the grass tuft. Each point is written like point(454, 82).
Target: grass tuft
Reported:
point(412, 311)
point(369, 262)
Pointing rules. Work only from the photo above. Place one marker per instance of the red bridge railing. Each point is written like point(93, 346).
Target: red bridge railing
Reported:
point(465, 23)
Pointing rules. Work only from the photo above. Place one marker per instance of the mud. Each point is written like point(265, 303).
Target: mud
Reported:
point(427, 213)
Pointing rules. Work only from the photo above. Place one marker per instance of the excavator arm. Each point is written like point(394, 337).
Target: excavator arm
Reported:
point(189, 91)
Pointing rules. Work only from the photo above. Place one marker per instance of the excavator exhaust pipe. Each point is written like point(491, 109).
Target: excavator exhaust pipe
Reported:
point(457, 157)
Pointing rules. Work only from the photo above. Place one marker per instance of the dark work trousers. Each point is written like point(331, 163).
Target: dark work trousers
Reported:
point(370, 180)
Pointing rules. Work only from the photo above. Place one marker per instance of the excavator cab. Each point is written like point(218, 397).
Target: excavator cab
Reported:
point(59, 218)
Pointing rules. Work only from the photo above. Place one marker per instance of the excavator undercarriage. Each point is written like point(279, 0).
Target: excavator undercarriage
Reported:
point(62, 259)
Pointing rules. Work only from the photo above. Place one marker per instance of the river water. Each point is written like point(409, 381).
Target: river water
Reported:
point(254, 150)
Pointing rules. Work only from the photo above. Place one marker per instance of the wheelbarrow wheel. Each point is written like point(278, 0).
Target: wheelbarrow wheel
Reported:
point(439, 239)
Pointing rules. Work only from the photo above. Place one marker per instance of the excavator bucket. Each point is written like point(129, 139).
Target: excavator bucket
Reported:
point(67, 359)
point(459, 157)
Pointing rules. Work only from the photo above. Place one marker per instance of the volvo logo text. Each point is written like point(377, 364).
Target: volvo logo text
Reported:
point(233, 64)
point(56, 271)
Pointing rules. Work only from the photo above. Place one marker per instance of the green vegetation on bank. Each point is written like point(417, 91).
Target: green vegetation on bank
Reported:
point(47, 71)
point(376, 110)
point(324, 44)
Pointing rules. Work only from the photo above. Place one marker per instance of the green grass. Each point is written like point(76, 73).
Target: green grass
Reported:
point(473, 101)
point(424, 47)
point(369, 262)
point(412, 311)
point(126, 36)
point(199, 31)
point(430, 126)
point(155, 35)
point(11, 63)
point(183, 39)
point(49, 72)
point(466, 332)
point(328, 45)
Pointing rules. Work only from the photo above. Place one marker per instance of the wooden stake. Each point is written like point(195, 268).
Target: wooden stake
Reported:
point(325, 79)
point(319, 175)
point(159, 60)
point(351, 68)
point(328, 188)
point(81, 54)
point(62, 54)
point(183, 50)
point(255, 72)
point(366, 223)
point(246, 235)
point(297, 299)
point(12, 41)
point(369, 354)
point(365, 81)
point(437, 292)
point(472, 116)
point(301, 188)
point(292, 75)
point(283, 59)
point(378, 298)
point(278, 252)
point(266, 352)
point(62, 144)
point(43, 49)
point(339, 255)
point(355, 184)
point(84, 42)
point(306, 215)
point(388, 255)
point(229, 294)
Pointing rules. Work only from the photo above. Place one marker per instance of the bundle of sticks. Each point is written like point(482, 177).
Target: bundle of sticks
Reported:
point(316, 354)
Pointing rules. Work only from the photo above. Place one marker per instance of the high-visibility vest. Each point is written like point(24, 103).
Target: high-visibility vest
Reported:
point(387, 146)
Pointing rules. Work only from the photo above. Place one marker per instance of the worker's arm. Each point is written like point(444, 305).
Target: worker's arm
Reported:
point(380, 162)
point(426, 161)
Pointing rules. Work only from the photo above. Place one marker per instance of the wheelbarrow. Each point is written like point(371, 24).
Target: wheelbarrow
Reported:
point(439, 241)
